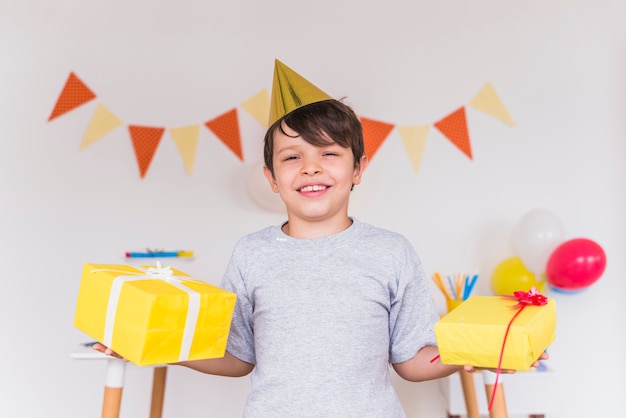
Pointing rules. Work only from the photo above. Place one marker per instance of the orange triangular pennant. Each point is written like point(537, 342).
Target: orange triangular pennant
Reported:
point(374, 134)
point(186, 140)
point(454, 127)
point(226, 128)
point(145, 142)
point(74, 94)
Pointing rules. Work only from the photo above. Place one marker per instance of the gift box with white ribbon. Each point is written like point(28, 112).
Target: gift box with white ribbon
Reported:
point(153, 315)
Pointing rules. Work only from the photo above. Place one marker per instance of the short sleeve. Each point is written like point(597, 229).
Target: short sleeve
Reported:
point(413, 313)
point(241, 336)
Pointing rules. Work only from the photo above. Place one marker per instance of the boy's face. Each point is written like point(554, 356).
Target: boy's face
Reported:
point(314, 182)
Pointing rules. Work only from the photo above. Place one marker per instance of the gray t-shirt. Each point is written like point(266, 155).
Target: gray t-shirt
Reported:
point(322, 318)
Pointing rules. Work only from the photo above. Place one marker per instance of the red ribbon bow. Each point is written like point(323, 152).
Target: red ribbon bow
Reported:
point(524, 299)
point(532, 297)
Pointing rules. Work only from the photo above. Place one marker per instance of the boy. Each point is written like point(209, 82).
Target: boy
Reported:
point(325, 303)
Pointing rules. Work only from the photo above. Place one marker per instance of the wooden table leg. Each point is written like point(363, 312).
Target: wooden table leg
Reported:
point(113, 385)
point(469, 393)
point(158, 391)
point(498, 408)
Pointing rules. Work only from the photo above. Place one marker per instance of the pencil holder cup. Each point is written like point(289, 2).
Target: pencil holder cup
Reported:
point(452, 303)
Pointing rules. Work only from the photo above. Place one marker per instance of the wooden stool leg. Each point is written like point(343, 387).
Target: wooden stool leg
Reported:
point(112, 402)
point(469, 393)
point(498, 409)
point(158, 391)
point(114, 383)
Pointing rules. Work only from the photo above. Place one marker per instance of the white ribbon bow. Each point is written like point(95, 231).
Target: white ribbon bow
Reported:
point(158, 272)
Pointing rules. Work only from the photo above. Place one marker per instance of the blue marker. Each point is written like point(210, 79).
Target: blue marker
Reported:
point(152, 254)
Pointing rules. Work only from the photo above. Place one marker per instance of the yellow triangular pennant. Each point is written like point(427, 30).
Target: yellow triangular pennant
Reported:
point(414, 138)
point(259, 106)
point(102, 122)
point(487, 101)
point(186, 140)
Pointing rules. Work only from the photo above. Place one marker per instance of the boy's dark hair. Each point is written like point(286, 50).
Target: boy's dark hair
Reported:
point(315, 123)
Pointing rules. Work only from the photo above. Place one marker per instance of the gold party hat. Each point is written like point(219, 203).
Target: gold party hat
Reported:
point(291, 91)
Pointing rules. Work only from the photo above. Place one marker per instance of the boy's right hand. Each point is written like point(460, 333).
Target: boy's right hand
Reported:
point(106, 350)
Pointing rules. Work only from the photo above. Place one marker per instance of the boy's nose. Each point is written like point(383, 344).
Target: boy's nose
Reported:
point(311, 167)
point(311, 171)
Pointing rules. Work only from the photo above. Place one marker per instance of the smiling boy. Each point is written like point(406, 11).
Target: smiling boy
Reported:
point(325, 302)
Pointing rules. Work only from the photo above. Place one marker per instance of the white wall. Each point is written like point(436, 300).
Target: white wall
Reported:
point(559, 67)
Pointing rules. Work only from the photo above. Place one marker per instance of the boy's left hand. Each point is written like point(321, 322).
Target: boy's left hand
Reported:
point(471, 369)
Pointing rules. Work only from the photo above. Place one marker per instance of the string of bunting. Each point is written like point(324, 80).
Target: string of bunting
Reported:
point(146, 139)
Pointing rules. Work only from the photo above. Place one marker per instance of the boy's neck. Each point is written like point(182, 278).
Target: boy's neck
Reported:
point(315, 229)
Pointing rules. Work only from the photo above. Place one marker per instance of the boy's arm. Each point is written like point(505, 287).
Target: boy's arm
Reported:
point(420, 368)
point(228, 365)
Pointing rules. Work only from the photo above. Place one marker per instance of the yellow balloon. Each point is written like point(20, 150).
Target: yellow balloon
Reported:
point(511, 275)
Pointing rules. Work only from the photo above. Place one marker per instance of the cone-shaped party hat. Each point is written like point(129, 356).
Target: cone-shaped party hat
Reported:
point(291, 91)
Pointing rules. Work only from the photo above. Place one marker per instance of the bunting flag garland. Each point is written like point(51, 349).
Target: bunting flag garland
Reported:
point(414, 138)
point(258, 106)
point(226, 128)
point(186, 140)
point(454, 127)
point(74, 94)
point(374, 134)
point(102, 122)
point(487, 101)
point(146, 139)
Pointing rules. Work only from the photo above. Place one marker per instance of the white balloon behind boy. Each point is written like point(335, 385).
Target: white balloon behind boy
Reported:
point(538, 233)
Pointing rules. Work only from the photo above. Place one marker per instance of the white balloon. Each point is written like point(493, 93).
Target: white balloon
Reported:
point(535, 237)
point(261, 192)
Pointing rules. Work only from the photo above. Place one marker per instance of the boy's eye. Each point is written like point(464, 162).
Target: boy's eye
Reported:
point(291, 157)
point(330, 153)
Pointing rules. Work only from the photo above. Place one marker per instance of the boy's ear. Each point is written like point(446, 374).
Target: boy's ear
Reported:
point(358, 170)
point(270, 178)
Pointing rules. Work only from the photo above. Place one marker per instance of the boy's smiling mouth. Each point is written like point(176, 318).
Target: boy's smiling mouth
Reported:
point(312, 188)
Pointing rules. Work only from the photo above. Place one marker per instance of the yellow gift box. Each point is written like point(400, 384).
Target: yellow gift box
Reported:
point(153, 315)
point(473, 333)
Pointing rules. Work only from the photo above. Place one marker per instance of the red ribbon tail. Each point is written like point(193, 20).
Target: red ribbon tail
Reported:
point(495, 388)
point(506, 334)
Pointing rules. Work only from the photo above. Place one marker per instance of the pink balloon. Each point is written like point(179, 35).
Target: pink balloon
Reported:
point(575, 264)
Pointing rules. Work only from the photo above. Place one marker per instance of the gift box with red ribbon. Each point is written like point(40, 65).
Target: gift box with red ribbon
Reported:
point(153, 315)
point(498, 332)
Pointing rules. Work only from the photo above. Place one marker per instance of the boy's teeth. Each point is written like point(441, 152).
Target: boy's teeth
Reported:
point(314, 188)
